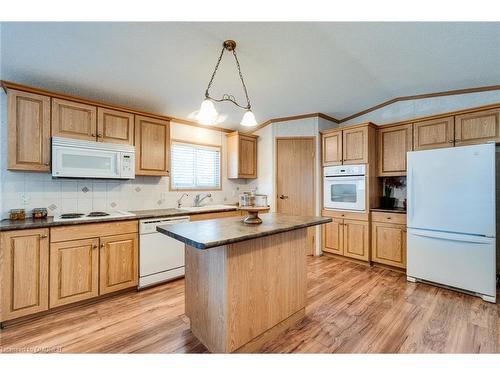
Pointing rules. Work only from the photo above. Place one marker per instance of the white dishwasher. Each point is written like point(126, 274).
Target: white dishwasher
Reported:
point(161, 258)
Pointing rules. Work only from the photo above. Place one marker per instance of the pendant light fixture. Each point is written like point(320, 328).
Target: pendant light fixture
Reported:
point(207, 114)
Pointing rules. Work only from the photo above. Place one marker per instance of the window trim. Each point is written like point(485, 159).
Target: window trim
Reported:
point(190, 143)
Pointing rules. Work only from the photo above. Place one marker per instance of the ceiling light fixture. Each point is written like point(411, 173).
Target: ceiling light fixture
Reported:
point(208, 114)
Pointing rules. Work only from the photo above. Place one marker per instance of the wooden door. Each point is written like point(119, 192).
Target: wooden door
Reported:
point(332, 148)
point(392, 145)
point(24, 272)
point(356, 239)
point(333, 237)
point(115, 126)
point(152, 146)
point(295, 187)
point(435, 133)
point(355, 146)
point(247, 157)
point(74, 120)
point(74, 271)
point(118, 263)
point(389, 244)
point(477, 127)
point(29, 131)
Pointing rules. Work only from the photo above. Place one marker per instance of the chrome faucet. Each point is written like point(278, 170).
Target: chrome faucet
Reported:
point(198, 199)
point(179, 201)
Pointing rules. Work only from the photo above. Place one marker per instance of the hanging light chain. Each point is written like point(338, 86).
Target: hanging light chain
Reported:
point(227, 97)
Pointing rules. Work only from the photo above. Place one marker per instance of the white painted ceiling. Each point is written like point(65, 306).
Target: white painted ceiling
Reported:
point(289, 68)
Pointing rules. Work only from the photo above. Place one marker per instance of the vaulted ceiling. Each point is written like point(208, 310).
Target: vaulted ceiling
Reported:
point(289, 68)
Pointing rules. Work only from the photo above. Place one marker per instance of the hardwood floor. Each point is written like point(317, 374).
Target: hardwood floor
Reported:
point(351, 308)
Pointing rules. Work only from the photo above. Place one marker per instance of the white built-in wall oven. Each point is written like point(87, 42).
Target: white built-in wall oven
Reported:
point(344, 187)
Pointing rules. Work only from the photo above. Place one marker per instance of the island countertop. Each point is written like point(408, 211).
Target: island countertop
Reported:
point(218, 232)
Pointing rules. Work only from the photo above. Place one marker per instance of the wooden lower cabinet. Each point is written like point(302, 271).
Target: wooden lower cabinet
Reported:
point(347, 237)
point(24, 272)
point(118, 263)
point(333, 237)
point(389, 244)
point(74, 271)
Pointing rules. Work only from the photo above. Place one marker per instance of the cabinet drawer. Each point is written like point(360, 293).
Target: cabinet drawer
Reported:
point(75, 232)
point(346, 215)
point(389, 217)
point(215, 215)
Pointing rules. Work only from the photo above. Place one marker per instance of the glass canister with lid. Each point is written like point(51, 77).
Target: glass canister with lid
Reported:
point(251, 199)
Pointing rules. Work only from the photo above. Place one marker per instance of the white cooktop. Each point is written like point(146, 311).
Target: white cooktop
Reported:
point(88, 216)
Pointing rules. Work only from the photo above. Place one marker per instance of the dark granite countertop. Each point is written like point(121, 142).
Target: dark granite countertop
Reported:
point(218, 232)
point(7, 224)
point(395, 210)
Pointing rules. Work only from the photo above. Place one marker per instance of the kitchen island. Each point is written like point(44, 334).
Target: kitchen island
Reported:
point(245, 284)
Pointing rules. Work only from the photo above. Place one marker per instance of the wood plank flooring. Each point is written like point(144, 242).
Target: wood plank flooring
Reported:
point(351, 308)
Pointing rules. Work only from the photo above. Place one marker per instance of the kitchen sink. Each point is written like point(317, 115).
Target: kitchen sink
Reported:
point(208, 208)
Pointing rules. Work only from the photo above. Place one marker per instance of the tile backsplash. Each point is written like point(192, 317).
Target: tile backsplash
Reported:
point(397, 192)
point(31, 190)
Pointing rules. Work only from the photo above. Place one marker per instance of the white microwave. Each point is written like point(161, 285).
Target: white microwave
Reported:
point(87, 159)
point(344, 187)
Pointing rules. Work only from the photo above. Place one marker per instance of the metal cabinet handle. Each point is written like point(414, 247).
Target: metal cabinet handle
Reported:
point(94, 247)
point(92, 134)
point(451, 141)
point(389, 218)
point(102, 246)
point(46, 164)
point(283, 196)
point(43, 236)
point(99, 135)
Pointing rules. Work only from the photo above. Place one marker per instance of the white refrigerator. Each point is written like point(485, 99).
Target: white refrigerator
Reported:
point(451, 218)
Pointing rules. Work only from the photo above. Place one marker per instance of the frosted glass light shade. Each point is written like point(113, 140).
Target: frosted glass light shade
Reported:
point(207, 114)
point(248, 119)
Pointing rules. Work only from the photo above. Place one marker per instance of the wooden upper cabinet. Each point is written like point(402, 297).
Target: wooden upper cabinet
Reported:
point(74, 271)
point(74, 120)
point(24, 271)
point(435, 133)
point(392, 145)
point(118, 263)
point(355, 145)
point(477, 127)
point(115, 126)
point(332, 148)
point(389, 244)
point(29, 131)
point(356, 235)
point(241, 155)
point(152, 146)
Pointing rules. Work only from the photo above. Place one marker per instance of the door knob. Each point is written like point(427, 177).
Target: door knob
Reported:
point(283, 196)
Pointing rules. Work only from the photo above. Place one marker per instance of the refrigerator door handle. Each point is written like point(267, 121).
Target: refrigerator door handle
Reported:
point(474, 239)
point(411, 205)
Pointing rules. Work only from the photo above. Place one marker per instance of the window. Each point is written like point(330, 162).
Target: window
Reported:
point(195, 167)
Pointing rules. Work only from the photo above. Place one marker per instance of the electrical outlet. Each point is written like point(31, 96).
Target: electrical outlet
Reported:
point(25, 200)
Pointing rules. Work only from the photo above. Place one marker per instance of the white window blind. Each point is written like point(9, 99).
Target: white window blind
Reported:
point(195, 166)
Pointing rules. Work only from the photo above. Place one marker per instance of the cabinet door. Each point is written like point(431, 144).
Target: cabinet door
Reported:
point(393, 144)
point(29, 131)
point(355, 146)
point(333, 236)
point(477, 127)
point(74, 271)
point(247, 157)
point(118, 263)
point(74, 120)
point(332, 148)
point(24, 272)
point(436, 133)
point(115, 126)
point(152, 146)
point(356, 243)
point(389, 244)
